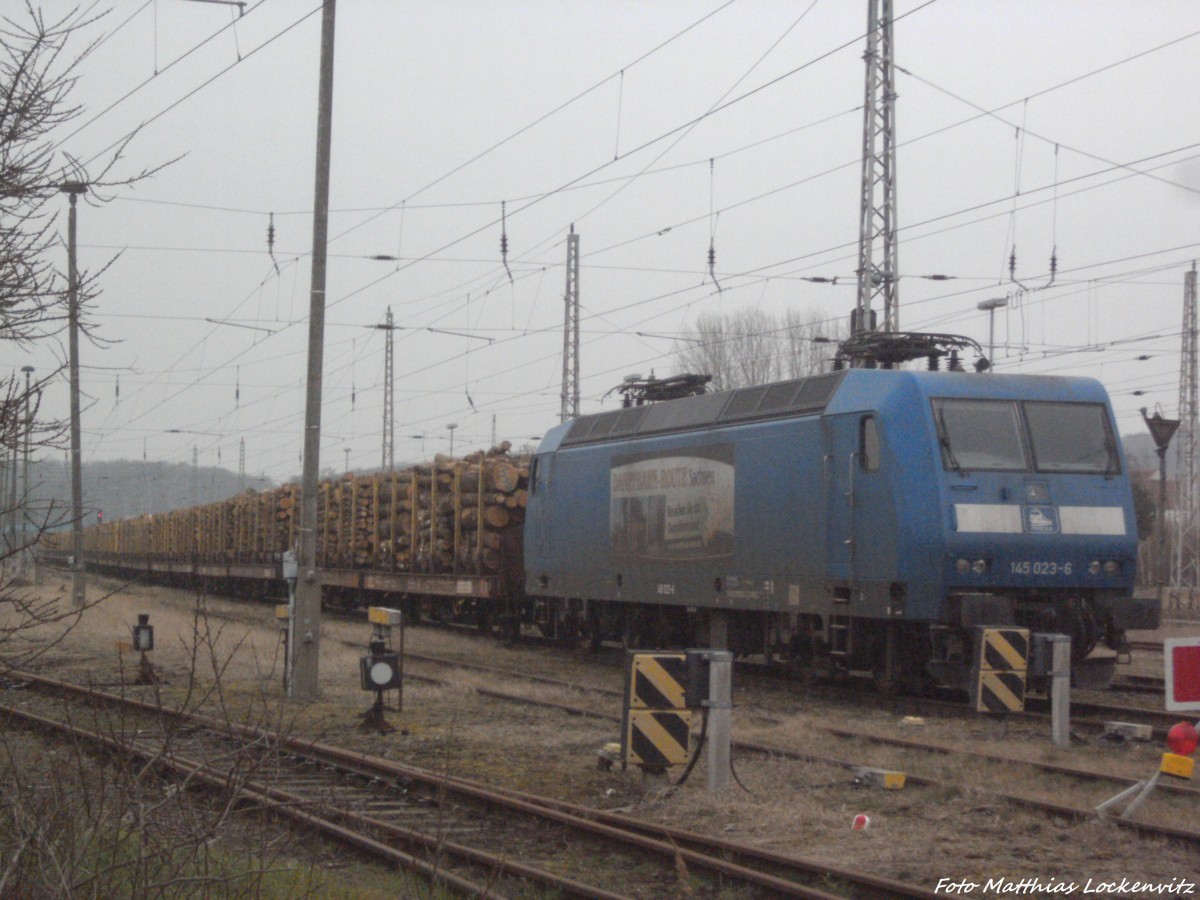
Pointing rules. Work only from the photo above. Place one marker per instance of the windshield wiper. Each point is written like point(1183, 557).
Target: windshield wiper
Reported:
point(944, 440)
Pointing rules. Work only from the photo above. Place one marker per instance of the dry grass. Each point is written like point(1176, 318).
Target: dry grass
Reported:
point(918, 834)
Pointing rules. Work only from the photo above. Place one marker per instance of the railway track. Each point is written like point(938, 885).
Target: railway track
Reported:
point(1089, 715)
point(1147, 646)
point(1138, 684)
point(453, 831)
point(857, 735)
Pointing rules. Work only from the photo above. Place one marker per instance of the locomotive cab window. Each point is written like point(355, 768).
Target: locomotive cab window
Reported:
point(1072, 437)
point(980, 434)
point(868, 445)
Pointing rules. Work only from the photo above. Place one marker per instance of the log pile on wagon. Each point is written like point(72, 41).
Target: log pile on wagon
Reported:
point(444, 516)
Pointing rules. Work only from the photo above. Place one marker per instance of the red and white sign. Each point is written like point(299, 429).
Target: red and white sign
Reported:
point(1181, 659)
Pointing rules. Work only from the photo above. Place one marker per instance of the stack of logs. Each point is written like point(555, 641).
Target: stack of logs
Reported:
point(449, 516)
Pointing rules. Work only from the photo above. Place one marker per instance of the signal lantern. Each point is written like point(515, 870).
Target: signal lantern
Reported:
point(381, 670)
point(1182, 739)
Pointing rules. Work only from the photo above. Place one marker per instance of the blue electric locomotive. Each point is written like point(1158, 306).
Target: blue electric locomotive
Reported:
point(866, 519)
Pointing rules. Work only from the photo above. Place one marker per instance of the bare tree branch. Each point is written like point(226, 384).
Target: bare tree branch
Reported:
point(752, 346)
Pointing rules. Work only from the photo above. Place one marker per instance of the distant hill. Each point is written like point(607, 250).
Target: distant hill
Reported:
point(123, 488)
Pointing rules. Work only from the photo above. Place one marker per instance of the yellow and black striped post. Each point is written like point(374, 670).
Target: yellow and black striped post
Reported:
point(656, 724)
point(1000, 669)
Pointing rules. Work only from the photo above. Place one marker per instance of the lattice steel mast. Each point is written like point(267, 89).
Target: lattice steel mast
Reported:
point(878, 271)
point(389, 398)
point(570, 372)
point(1185, 561)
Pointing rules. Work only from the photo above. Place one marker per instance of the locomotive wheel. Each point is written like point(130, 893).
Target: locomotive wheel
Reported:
point(635, 629)
point(567, 631)
point(594, 629)
point(900, 660)
point(510, 628)
point(889, 673)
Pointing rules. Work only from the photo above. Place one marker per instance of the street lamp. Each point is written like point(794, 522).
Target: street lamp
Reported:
point(991, 306)
point(451, 428)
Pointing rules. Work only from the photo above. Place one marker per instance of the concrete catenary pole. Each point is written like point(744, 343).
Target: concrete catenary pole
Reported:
point(78, 574)
point(306, 648)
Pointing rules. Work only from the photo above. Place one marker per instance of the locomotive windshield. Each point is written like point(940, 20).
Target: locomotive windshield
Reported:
point(1071, 437)
point(995, 435)
point(980, 434)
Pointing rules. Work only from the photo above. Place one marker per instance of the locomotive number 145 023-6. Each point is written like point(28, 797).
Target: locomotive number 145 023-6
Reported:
point(1039, 567)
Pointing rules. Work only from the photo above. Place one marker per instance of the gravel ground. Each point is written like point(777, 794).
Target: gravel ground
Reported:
point(955, 839)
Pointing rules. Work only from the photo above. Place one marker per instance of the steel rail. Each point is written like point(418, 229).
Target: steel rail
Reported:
point(270, 799)
point(660, 840)
point(904, 743)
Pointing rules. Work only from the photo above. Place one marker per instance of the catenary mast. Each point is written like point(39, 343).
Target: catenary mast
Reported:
point(570, 371)
point(878, 272)
point(1185, 561)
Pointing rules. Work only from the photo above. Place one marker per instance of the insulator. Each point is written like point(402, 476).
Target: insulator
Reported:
point(1053, 261)
point(955, 362)
point(712, 256)
point(503, 229)
point(934, 362)
point(1012, 262)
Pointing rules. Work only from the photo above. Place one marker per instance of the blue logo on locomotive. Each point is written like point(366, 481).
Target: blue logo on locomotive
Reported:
point(1041, 520)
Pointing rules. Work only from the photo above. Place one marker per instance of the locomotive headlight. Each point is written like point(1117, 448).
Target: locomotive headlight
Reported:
point(967, 566)
point(1112, 567)
point(1094, 567)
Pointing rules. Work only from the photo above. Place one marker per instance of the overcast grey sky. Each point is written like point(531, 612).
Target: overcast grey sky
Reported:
point(606, 114)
